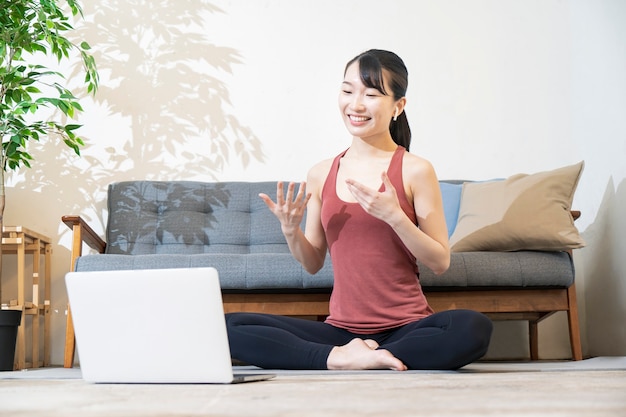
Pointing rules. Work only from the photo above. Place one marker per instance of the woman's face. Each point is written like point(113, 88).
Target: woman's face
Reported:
point(366, 112)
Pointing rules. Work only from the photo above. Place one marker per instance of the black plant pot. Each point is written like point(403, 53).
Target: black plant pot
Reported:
point(9, 322)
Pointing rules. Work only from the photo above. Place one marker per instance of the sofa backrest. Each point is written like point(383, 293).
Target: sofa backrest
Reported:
point(189, 217)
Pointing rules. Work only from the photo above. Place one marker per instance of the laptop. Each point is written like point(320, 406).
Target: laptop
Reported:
point(152, 326)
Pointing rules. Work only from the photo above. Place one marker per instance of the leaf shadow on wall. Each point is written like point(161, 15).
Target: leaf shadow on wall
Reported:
point(160, 77)
point(603, 269)
point(160, 64)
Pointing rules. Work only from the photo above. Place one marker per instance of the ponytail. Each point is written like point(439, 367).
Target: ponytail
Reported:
point(400, 131)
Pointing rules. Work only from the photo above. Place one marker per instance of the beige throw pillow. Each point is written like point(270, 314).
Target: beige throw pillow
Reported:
point(523, 212)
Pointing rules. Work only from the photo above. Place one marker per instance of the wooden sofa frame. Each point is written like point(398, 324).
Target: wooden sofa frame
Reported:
point(528, 304)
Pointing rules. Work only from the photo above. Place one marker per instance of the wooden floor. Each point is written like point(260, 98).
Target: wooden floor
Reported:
point(569, 389)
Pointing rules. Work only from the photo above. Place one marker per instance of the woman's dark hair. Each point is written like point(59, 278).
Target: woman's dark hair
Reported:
point(371, 66)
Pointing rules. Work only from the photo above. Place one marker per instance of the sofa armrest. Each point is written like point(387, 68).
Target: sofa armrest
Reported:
point(82, 233)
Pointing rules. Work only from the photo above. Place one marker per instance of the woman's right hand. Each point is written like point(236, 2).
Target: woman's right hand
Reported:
point(289, 209)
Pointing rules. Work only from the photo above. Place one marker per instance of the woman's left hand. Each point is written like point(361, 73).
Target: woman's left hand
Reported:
point(382, 205)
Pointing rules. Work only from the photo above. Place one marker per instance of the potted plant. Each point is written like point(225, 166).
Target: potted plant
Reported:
point(30, 91)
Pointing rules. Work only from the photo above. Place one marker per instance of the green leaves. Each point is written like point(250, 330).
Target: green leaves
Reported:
point(29, 28)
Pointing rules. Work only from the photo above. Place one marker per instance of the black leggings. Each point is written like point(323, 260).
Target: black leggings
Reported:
point(446, 340)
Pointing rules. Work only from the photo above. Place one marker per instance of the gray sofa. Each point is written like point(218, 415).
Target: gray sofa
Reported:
point(177, 224)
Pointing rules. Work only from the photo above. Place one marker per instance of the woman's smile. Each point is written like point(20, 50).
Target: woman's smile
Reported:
point(358, 120)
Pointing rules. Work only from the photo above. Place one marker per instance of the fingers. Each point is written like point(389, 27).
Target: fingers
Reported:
point(301, 193)
point(288, 199)
point(380, 204)
point(267, 200)
point(360, 192)
point(387, 182)
point(355, 186)
point(300, 197)
point(280, 196)
point(290, 191)
point(385, 179)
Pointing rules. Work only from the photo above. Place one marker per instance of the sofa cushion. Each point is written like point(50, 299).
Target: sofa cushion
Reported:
point(188, 217)
point(282, 273)
point(522, 212)
point(503, 269)
point(258, 271)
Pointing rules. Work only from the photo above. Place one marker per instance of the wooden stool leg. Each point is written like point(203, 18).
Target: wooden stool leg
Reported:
point(36, 304)
point(47, 304)
point(20, 357)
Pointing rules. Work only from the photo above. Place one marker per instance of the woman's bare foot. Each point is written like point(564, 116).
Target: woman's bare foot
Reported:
point(362, 354)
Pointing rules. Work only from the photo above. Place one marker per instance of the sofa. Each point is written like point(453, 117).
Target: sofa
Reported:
point(181, 224)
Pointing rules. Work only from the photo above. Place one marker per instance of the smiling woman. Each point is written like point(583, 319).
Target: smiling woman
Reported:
point(366, 81)
point(379, 317)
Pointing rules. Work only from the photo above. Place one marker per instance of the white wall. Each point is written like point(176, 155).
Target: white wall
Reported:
point(598, 126)
point(246, 90)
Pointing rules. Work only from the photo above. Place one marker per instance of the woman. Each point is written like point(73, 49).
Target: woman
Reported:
point(377, 209)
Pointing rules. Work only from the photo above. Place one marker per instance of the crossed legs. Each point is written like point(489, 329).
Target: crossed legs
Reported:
point(446, 340)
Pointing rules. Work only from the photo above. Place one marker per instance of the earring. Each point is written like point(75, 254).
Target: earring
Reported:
point(395, 116)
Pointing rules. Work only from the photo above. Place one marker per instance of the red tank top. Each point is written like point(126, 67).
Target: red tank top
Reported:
point(376, 279)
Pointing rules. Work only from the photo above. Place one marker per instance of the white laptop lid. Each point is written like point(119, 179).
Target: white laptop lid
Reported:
point(150, 326)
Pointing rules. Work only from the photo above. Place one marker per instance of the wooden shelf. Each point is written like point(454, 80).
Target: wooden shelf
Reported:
point(20, 241)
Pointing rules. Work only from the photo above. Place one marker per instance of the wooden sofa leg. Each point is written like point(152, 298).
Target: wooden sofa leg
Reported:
point(70, 341)
point(533, 338)
point(574, 325)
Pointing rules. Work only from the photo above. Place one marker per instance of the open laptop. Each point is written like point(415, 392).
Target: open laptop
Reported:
point(152, 326)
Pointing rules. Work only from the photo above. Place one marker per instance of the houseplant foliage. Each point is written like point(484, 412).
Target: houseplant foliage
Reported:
point(33, 31)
